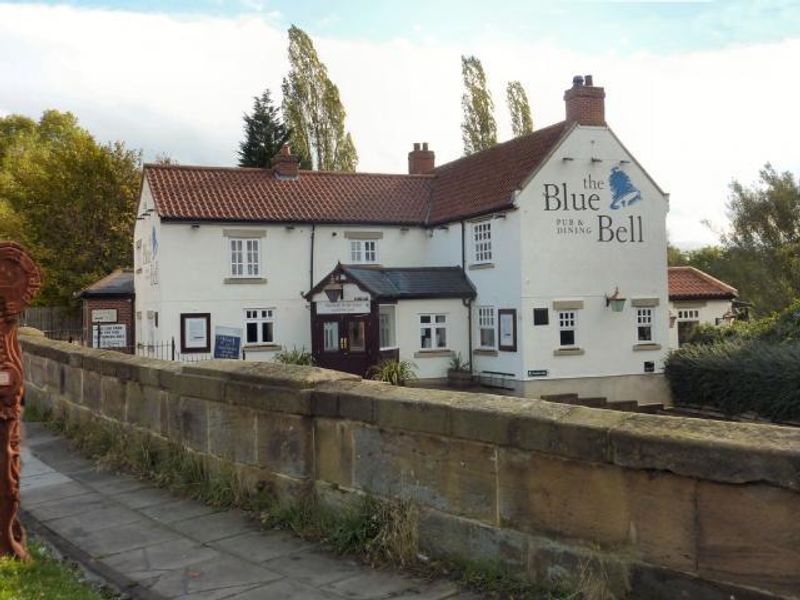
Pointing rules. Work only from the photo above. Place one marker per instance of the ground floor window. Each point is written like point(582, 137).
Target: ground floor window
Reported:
point(259, 324)
point(566, 327)
point(330, 336)
point(486, 327)
point(433, 331)
point(688, 320)
point(644, 324)
point(386, 326)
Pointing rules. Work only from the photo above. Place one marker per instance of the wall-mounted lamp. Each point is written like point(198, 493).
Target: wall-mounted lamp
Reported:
point(616, 301)
point(672, 318)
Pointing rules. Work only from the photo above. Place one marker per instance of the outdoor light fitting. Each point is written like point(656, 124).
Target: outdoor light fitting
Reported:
point(616, 301)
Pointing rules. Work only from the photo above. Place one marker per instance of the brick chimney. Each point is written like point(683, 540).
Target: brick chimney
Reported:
point(585, 102)
point(421, 160)
point(285, 164)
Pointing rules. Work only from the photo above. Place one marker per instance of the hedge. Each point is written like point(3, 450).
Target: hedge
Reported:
point(738, 376)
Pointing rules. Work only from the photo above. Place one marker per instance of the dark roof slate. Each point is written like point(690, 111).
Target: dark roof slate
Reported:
point(118, 283)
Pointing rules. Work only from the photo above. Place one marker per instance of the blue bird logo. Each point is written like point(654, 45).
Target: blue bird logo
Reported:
point(623, 192)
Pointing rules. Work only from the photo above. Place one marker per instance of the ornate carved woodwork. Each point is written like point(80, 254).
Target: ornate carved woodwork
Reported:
point(20, 280)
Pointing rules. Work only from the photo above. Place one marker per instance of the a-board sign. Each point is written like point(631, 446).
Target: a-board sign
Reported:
point(104, 315)
point(227, 342)
point(343, 307)
point(110, 336)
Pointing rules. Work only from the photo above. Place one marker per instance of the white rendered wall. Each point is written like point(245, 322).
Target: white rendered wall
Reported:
point(708, 312)
point(561, 266)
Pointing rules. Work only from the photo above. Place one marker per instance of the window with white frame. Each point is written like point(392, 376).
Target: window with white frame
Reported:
point(245, 257)
point(482, 242)
point(259, 326)
point(566, 327)
point(644, 324)
point(433, 332)
point(689, 315)
point(364, 251)
point(386, 326)
point(486, 327)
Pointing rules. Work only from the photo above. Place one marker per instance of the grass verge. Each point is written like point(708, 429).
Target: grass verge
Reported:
point(44, 577)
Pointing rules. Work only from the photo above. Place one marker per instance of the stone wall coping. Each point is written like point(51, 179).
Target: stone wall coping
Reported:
point(714, 450)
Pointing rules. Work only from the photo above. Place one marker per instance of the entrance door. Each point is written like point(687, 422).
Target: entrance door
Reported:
point(342, 343)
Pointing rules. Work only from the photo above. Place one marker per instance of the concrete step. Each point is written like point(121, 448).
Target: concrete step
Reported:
point(653, 408)
point(597, 402)
point(563, 398)
point(624, 405)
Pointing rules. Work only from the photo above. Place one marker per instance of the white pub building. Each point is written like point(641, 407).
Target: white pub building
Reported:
point(541, 261)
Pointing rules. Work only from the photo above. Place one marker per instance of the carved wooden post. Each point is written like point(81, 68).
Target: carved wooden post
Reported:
point(20, 280)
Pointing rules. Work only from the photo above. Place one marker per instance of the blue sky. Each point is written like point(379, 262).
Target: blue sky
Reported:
point(623, 26)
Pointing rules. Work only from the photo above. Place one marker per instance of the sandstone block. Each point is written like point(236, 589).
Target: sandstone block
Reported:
point(92, 393)
point(232, 433)
point(113, 397)
point(749, 534)
point(268, 398)
point(333, 451)
point(454, 476)
point(285, 443)
point(73, 388)
point(144, 406)
point(187, 422)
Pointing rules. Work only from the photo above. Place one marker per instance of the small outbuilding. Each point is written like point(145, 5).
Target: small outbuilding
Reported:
point(108, 313)
point(695, 298)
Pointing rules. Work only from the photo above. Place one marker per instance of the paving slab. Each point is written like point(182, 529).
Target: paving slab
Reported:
point(260, 546)
point(156, 546)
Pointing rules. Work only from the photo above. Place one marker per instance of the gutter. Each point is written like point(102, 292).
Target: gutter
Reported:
point(466, 301)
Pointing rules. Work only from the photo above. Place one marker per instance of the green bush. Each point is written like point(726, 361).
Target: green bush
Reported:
point(779, 327)
point(739, 375)
point(295, 357)
point(396, 372)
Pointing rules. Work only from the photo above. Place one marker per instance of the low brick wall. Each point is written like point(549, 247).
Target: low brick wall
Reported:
point(672, 507)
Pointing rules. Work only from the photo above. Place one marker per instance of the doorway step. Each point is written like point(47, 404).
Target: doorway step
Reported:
point(601, 402)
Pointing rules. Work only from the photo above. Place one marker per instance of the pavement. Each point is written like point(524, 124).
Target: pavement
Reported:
point(154, 545)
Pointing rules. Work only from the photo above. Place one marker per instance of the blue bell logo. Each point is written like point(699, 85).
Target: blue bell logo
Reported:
point(623, 192)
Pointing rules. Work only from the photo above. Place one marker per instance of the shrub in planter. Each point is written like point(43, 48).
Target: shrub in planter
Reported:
point(458, 374)
point(396, 372)
point(295, 357)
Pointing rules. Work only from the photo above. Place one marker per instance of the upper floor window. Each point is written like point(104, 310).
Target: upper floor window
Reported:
point(482, 242)
point(432, 332)
point(644, 324)
point(363, 251)
point(245, 257)
point(259, 326)
point(566, 327)
point(486, 326)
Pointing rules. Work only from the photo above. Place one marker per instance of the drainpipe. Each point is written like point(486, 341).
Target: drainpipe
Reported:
point(466, 301)
point(311, 265)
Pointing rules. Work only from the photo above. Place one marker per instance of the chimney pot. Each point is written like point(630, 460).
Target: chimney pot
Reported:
point(585, 104)
point(421, 160)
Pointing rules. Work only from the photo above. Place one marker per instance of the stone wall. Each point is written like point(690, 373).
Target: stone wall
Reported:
point(670, 507)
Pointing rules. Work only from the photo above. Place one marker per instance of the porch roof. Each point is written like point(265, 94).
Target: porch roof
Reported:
point(407, 283)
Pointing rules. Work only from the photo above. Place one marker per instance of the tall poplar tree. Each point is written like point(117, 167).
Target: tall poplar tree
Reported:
point(264, 133)
point(521, 120)
point(313, 110)
point(478, 130)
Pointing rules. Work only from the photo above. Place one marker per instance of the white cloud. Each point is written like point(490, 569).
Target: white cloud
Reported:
point(179, 84)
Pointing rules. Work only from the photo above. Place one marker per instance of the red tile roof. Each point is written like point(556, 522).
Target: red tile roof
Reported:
point(688, 283)
point(244, 194)
point(472, 185)
point(484, 181)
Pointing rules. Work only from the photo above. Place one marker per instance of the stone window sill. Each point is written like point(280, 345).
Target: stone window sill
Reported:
point(245, 280)
point(477, 266)
point(646, 347)
point(484, 352)
point(568, 352)
point(434, 354)
point(262, 348)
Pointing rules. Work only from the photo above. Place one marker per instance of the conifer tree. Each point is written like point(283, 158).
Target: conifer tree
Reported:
point(313, 110)
point(521, 121)
point(478, 130)
point(264, 133)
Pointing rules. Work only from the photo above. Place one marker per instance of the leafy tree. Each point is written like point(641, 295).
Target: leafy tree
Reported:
point(478, 130)
point(264, 133)
point(76, 201)
point(162, 158)
point(521, 120)
point(313, 110)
